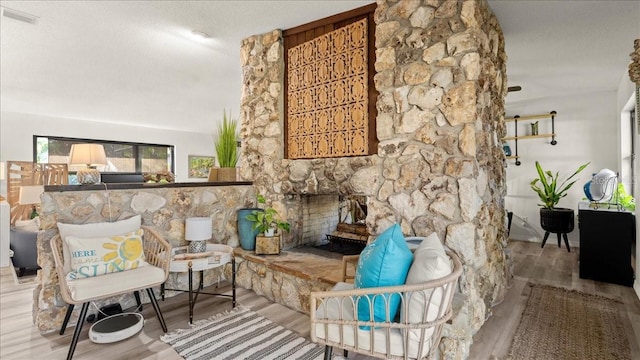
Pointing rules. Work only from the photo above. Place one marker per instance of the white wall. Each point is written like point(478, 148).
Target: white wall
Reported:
point(586, 126)
point(626, 102)
point(17, 130)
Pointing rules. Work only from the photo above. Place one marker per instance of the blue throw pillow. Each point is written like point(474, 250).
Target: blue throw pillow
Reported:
point(385, 262)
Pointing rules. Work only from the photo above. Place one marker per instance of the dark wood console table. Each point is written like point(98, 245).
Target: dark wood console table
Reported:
point(607, 245)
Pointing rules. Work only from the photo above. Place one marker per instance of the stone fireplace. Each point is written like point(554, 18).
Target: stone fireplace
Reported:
point(320, 216)
point(439, 167)
point(335, 215)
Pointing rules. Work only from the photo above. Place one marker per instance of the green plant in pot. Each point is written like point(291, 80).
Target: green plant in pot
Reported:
point(227, 148)
point(267, 220)
point(554, 219)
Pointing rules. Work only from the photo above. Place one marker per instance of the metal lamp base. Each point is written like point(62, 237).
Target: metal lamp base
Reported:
point(88, 176)
point(197, 246)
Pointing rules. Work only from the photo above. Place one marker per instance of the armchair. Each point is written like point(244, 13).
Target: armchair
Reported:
point(84, 290)
point(414, 334)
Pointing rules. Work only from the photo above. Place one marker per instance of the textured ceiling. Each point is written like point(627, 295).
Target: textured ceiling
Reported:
point(137, 62)
point(556, 48)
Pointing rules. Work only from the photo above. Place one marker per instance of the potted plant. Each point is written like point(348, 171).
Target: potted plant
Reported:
point(227, 148)
point(554, 219)
point(267, 220)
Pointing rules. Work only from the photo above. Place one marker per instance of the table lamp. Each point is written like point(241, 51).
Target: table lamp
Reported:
point(89, 155)
point(197, 231)
point(30, 195)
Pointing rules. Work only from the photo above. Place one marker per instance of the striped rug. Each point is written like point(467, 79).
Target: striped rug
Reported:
point(241, 334)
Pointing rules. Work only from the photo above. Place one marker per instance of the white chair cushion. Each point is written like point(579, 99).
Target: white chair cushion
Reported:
point(92, 230)
point(118, 282)
point(332, 309)
point(430, 262)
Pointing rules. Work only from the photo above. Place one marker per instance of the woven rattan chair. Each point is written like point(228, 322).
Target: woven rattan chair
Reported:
point(83, 291)
point(410, 336)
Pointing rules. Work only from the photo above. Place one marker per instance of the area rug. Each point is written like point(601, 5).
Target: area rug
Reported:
point(569, 325)
point(241, 334)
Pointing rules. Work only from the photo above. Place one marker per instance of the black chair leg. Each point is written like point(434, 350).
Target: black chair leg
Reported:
point(154, 303)
point(546, 236)
point(67, 316)
point(78, 330)
point(566, 241)
point(327, 352)
point(559, 239)
point(345, 353)
point(138, 301)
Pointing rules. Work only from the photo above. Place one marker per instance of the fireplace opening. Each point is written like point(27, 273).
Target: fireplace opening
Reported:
point(335, 223)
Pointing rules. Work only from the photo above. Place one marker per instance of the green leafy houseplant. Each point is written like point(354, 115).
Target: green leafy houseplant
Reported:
point(549, 191)
point(625, 200)
point(267, 218)
point(226, 146)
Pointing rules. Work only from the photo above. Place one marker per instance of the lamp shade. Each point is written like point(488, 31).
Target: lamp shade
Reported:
point(87, 154)
point(198, 229)
point(3, 169)
point(30, 194)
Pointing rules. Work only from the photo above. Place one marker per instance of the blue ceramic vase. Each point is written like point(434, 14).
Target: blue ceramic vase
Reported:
point(246, 233)
point(506, 148)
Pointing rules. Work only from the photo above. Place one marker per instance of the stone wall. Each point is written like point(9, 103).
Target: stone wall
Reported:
point(164, 209)
point(440, 73)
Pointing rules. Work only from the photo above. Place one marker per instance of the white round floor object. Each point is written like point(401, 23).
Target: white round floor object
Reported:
point(116, 327)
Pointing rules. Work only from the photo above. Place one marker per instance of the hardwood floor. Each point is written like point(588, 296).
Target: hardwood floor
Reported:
point(19, 339)
point(551, 266)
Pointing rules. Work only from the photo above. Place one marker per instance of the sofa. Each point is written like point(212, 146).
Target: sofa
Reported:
point(25, 252)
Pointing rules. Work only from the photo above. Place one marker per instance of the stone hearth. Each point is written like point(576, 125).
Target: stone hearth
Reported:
point(288, 278)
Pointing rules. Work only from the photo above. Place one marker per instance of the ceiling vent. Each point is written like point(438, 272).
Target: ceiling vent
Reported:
point(18, 15)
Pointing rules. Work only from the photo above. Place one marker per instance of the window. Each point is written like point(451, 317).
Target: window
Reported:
point(121, 156)
point(628, 129)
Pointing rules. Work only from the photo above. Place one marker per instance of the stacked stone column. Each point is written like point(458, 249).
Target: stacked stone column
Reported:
point(441, 78)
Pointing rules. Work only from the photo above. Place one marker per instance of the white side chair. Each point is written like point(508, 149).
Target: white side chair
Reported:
point(415, 333)
point(83, 291)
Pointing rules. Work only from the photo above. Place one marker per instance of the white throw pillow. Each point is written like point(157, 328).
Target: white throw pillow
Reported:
point(430, 262)
point(93, 230)
point(32, 225)
point(104, 255)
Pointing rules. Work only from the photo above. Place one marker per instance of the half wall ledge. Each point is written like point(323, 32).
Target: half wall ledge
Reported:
point(126, 186)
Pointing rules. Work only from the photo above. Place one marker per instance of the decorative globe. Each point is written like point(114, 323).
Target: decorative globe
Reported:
point(603, 185)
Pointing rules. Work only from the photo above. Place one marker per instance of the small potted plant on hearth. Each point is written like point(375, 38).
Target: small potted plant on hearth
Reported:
point(554, 219)
point(267, 220)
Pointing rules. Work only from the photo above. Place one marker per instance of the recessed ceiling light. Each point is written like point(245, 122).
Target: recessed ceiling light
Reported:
point(201, 35)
